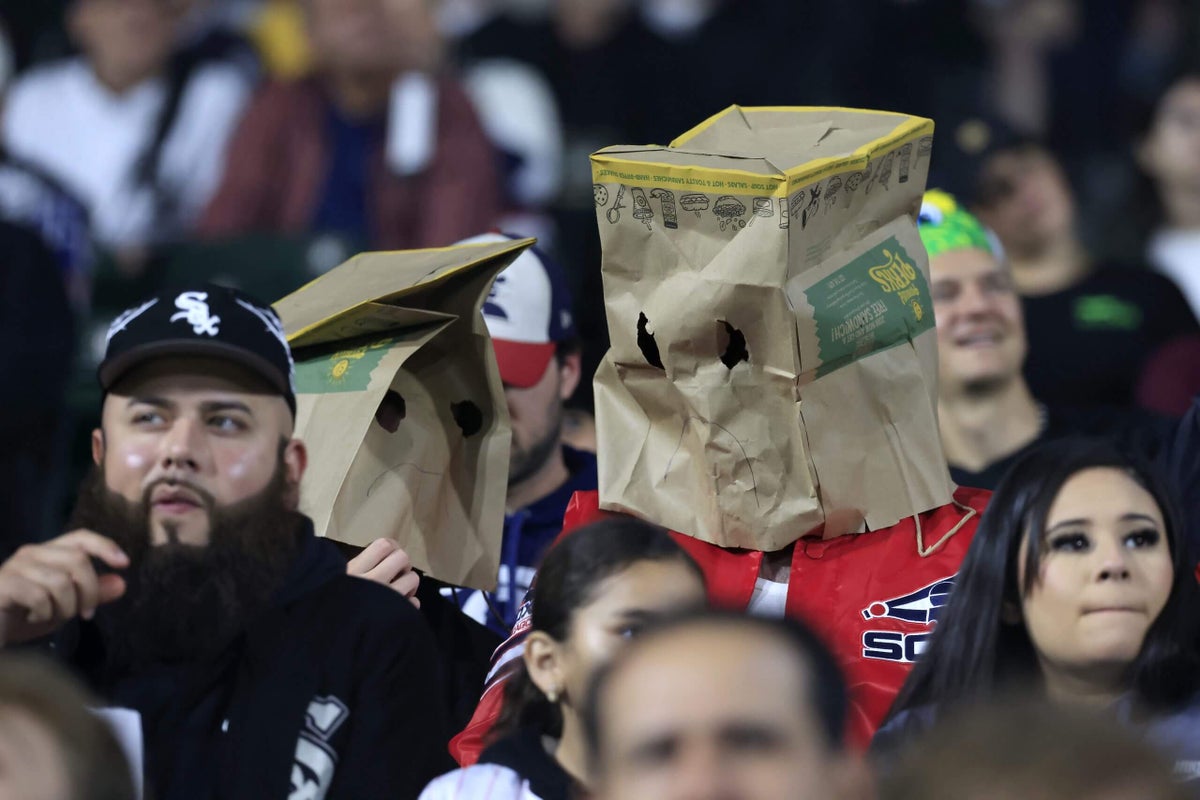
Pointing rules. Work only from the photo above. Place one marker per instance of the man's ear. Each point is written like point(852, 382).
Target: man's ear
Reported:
point(295, 461)
point(569, 372)
point(97, 447)
point(543, 662)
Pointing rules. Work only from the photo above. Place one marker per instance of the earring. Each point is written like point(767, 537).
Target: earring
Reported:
point(552, 695)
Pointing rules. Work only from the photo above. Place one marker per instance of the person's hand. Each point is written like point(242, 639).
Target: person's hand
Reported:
point(384, 562)
point(42, 586)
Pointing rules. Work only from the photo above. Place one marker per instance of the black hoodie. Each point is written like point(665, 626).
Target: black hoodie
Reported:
point(333, 692)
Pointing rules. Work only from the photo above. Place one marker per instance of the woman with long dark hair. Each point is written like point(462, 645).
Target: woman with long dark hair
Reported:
point(1077, 585)
point(595, 589)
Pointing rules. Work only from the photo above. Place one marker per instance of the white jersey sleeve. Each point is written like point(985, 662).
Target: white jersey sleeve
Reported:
point(479, 782)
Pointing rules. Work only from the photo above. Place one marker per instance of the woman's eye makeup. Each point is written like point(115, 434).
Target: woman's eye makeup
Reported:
point(1070, 542)
point(1079, 542)
point(1143, 538)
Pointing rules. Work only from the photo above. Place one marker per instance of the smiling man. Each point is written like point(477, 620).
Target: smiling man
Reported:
point(987, 414)
point(191, 590)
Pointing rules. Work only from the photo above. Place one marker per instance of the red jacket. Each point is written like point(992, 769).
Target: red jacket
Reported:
point(872, 596)
point(279, 157)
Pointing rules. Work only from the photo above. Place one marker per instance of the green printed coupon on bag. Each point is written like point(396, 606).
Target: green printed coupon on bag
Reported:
point(400, 403)
point(773, 350)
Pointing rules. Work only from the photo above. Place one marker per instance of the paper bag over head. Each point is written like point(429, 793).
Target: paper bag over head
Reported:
point(773, 354)
point(400, 404)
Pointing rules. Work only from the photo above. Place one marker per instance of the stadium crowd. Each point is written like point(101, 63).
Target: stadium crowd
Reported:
point(173, 626)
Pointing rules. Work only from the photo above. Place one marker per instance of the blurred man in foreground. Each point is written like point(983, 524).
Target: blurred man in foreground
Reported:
point(720, 705)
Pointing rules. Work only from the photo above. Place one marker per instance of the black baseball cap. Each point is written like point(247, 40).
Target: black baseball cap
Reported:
point(201, 320)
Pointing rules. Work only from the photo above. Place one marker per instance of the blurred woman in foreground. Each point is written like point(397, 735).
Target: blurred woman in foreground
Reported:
point(595, 589)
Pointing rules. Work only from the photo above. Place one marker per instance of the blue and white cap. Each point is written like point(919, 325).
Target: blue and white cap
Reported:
point(528, 312)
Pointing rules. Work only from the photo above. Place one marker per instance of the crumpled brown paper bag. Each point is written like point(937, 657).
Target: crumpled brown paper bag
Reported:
point(400, 403)
point(773, 353)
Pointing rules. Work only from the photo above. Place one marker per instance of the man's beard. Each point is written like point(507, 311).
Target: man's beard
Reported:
point(524, 463)
point(188, 602)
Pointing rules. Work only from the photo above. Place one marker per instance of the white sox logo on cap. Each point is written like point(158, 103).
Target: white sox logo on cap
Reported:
point(194, 310)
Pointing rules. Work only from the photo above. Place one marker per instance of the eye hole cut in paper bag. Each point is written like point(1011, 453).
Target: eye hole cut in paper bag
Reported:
point(773, 354)
point(400, 403)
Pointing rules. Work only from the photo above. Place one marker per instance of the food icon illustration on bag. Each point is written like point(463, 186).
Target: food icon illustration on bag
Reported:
point(641, 207)
point(814, 205)
point(694, 203)
point(905, 154)
point(763, 207)
point(729, 209)
point(667, 198)
point(884, 173)
point(614, 213)
point(831, 191)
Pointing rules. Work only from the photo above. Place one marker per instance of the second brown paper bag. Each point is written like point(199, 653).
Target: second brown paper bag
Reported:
point(400, 403)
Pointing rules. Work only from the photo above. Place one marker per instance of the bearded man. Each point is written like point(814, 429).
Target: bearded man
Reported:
point(191, 590)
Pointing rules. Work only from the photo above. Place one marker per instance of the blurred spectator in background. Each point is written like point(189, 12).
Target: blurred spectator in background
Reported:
point(139, 142)
point(52, 746)
point(520, 115)
point(39, 335)
point(30, 198)
point(1025, 750)
point(638, 73)
point(212, 30)
point(380, 146)
point(986, 412)
point(1169, 154)
point(1092, 325)
point(529, 317)
point(1078, 588)
point(719, 705)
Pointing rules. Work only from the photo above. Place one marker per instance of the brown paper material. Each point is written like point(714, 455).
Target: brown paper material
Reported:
point(429, 469)
point(773, 353)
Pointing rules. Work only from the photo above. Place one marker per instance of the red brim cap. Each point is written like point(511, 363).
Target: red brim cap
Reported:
point(522, 364)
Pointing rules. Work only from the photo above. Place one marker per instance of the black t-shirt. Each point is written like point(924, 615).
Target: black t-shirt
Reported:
point(1088, 343)
point(1142, 432)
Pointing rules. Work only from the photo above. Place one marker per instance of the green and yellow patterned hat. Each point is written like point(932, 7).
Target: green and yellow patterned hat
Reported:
point(945, 226)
